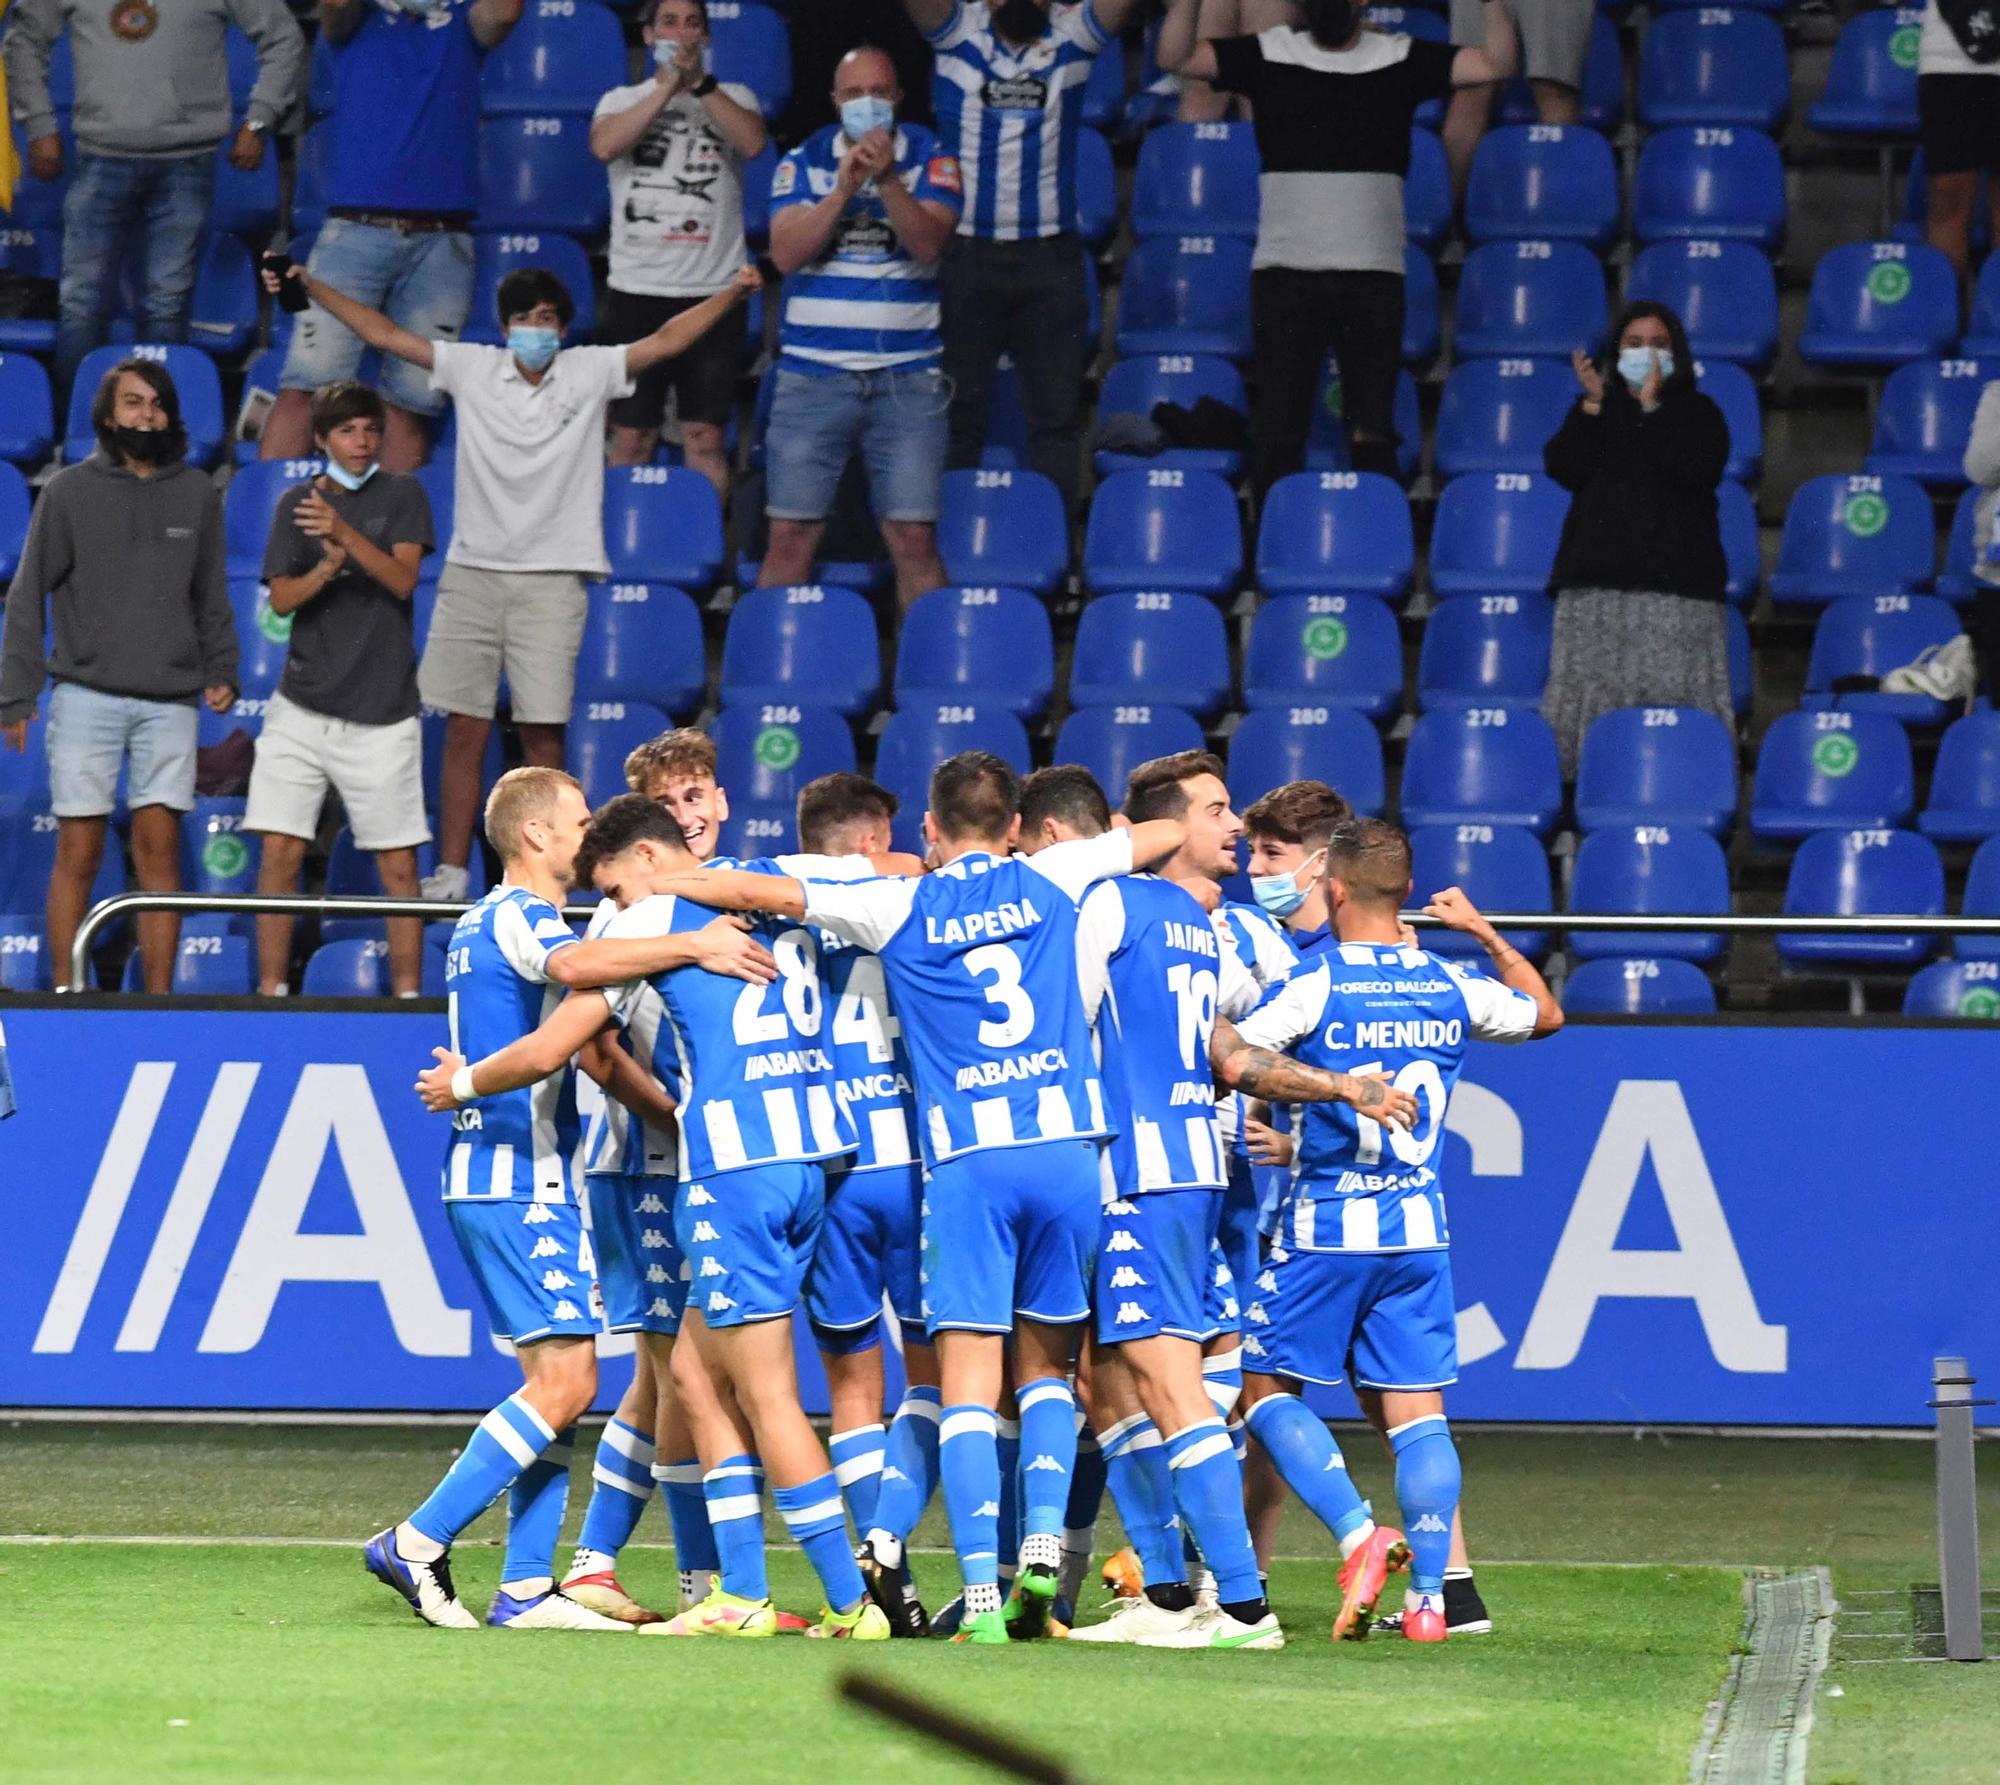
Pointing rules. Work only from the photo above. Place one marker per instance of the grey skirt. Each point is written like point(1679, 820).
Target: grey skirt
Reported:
point(1632, 648)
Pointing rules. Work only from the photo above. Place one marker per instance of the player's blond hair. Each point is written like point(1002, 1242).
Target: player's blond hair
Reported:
point(669, 756)
point(518, 798)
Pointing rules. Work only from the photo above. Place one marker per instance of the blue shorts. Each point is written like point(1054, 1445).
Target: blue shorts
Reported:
point(641, 1274)
point(1388, 1319)
point(1237, 1230)
point(91, 737)
point(534, 1266)
point(869, 1247)
point(749, 1236)
point(1011, 1231)
point(1223, 1307)
point(894, 420)
point(422, 281)
point(1155, 1266)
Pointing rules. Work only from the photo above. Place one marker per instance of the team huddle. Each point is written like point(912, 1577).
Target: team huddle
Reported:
point(1014, 1097)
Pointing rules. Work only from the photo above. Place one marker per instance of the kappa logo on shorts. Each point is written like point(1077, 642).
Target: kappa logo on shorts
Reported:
point(924, 1208)
point(564, 1310)
point(1223, 1279)
point(539, 1215)
point(656, 1273)
point(698, 1198)
point(718, 1303)
point(1257, 1316)
point(1252, 1348)
point(653, 1239)
point(703, 1231)
point(709, 1268)
point(1125, 1277)
point(649, 1204)
point(545, 1247)
point(1129, 1314)
point(556, 1280)
point(1122, 1241)
point(1267, 1282)
point(1229, 1310)
point(662, 1309)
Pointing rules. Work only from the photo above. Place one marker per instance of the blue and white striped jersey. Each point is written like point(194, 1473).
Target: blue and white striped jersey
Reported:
point(981, 960)
point(866, 304)
point(1011, 115)
point(748, 1064)
point(1261, 946)
point(1153, 1000)
point(520, 1145)
point(1380, 1008)
point(616, 1142)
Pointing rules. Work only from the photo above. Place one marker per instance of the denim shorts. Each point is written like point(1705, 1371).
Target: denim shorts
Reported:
point(92, 734)
point(895, 420)
point(422, 282)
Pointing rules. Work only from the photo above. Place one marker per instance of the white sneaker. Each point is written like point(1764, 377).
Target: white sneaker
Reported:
point(1138, 1621)
point(1218, 1630)
point(596, 1588)
point(447, 882)
point(425, 1586)
point(551, 1611)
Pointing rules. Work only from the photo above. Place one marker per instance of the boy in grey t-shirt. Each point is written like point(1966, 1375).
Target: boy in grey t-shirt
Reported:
point(343, 561)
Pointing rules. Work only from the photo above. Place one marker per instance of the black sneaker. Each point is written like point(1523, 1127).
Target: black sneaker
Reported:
point(1465, 1612)
point(895, 1592)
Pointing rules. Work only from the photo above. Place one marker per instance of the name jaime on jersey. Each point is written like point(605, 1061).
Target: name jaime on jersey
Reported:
point(1190, 938)
point(1006, 919)
point(792, 1062)
point(1012, 1069)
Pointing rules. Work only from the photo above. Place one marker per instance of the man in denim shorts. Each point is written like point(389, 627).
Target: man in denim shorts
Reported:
point(403, 183)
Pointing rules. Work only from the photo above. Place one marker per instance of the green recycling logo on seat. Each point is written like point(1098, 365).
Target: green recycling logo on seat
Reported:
point(224, 856)
point(1835, 755)
point(1888, 281)
point(1903, 46)
point(1865, 515)
point(1981, 1001)
point(273, 625)
point(1325, 638)
point(777, 747)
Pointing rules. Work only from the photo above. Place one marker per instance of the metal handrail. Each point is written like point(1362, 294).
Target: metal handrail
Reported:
point(1698, 923)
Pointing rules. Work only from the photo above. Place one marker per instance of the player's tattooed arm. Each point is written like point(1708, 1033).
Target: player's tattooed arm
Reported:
point(1278, 1078)
point(735, 889)
point(725, 947)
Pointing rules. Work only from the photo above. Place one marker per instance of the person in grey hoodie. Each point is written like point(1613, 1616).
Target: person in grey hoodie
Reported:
point(129, 544)
point(152, 107)
point(1982, 467)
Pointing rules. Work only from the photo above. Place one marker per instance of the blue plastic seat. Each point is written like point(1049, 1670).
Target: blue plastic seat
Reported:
point(927, 730)
point(250, 504)
point(1859, 535)
point(1197, 179)
point(1638, 986)
point(1867, 872)
point(1104, 93)
point(1112, 741)
point(309, 181)
point(536, 172)
point(1871, 84)
point(1150, 644)
point(1498, 414)
point(1982, 899)
point(495, 256)
point(1482, 765)
point(1600, 102)
point(1731, 390)
point(1964, 805)
point(1831, 771)
point(24, 954)
point(1649, 870)
point(1878, 304)
point(1164, 530)
point(1982, 337)
point(38, 204)
point(1955, 989)
point(245, 202)
point(1714, 66)
point(1002, 526)
point(264, 646)
point(1956, 582)
point(602, 733)
point(1742, 675)
point(989, 645)
point(1724, 292)
point(1186, 294)
point(813, 642)
point(1133, 386)
point(642, 641)
point(217, 854)
point(660, 526)
point(1523, 299)
point(1308, 742)
point(767, 750)
point(1340, 650)
point(1096, 190)
point(1553, 181)
point(1427, 207)
point(1486, 651)
point(355, 873)
point(27, 410)
point(558, 59)
point(223, 312)
point(751, 46)
point(1925, 418)
point(752, 829)
point(24, 774)
point(194, 376)
point(14, 505)
point(1657, 765)
point(1497, 535)
point(28, 829)
point(29, 252)
point(1423, 324)
point(1715, 183)
point(207, 965)
point(357, 968)
point(1500, 867)
point(1327, 445)
point(1869, 635)
point(1336, 531)
point(1736, 519)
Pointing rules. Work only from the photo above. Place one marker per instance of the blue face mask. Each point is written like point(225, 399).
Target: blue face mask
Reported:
point(533, 347)
point(1635, 364)
point(1280, 894)
point(349, 480)
point(859, 116)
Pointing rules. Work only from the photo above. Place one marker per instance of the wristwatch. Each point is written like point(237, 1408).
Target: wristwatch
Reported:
point(705, 86)
point(256, 126)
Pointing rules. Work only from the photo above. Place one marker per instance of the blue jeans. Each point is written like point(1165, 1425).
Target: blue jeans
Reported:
point(895, 420)
point(163, 201)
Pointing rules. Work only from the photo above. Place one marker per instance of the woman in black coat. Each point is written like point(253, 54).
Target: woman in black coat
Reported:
point(1639, 577)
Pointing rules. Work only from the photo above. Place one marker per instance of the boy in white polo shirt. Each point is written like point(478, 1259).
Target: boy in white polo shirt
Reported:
point(528, 524)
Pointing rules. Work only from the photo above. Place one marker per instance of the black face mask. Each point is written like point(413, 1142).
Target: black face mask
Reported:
point(146, 446)
point(1020, 21)
point(1331, 22)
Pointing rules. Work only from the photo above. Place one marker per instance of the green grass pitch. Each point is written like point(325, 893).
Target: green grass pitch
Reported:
point(206, 1657)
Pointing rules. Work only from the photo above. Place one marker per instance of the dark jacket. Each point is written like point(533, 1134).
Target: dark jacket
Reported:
point(1642, 510)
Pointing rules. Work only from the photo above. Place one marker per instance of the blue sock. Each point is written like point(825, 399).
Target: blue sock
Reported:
point(969, 1470)
point(736, 1516)
point(910, 1464)
point(503, 1444)
point(858, 1457)
point(818, 1524)
point(623, 1478)
point(1086, 1491)
point(1007, 1446)
point(1427, 1484)
point(1135, 1466)
point(1048, 1458)
point(687, 1512)
point(535, 1507)
point(1299, 1445)
point(1208, 1488)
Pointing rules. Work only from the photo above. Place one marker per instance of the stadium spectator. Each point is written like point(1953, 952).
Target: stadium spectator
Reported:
point(1982, 467)
point(1958, 114)
point(1555, 38)
point(528, 526)
point(860, 213)
point(129, 546)
point(674, 146)
point(152, 106)
point(343, 560)
point(1009, 87)
point(1639, 574)
point(403, 185)
point(1200, 103)
point(1333, 105)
